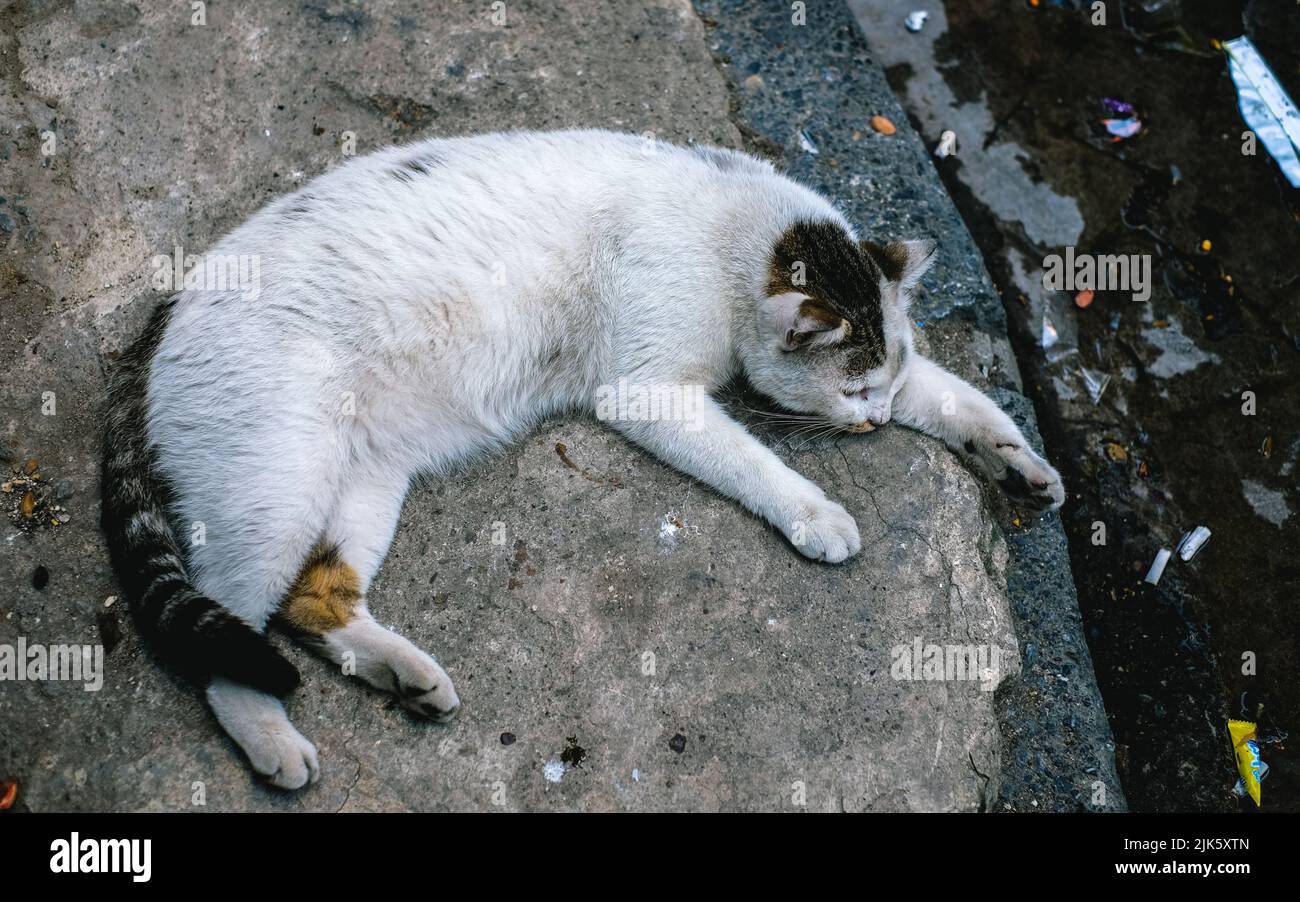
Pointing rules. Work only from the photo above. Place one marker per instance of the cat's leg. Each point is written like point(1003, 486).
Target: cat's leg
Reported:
point(326, 606)
point(938, 403)
point(248, 561)
point(257, 723)
point(715, 449)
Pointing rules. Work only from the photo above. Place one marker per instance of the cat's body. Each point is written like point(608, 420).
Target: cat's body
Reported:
point(430, 303)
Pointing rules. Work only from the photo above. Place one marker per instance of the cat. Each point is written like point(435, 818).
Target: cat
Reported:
point(428, 304)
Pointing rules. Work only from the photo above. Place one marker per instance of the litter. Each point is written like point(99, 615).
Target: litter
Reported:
point(947, 145)
point(1186, 547)
point(915, 21)
point(1122, 128)
point(1084, 298)
point(806, 144)
point(1268, 110)
point(883, 125)
point(1050, 335)
point(1157, 569)
point(1123, 121)
point(1192, 542)
point(1245, 746)
point(1095, 383)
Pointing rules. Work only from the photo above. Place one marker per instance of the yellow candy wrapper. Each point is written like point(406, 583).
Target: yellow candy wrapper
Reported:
point(1246, 748)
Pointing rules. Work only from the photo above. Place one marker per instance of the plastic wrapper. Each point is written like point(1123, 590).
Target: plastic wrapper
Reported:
point(1245, 746)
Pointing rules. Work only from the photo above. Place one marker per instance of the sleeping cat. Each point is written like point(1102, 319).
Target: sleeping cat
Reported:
point(428, 304)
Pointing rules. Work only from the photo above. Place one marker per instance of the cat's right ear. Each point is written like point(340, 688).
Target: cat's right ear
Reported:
point(798, 322)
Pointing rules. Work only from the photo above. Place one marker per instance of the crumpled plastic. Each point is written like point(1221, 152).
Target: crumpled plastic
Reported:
point(1268, 110)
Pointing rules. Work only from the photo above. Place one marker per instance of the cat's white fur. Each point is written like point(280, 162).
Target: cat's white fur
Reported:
point(406, 323)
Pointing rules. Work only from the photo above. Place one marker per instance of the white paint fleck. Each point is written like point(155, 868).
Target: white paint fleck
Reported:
point(671, 526)
point(1178, 353)
point(554, 770)
point(1268, 503)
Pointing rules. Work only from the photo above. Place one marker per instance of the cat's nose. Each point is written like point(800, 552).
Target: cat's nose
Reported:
point(878, 414)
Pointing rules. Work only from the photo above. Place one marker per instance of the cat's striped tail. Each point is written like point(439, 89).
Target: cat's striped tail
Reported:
point(186, 629)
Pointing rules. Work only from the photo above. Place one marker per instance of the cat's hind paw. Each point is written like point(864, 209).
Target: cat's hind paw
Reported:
point(389, 661)
point(257, 723)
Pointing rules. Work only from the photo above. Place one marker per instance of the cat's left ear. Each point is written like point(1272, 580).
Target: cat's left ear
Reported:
point(903, 262)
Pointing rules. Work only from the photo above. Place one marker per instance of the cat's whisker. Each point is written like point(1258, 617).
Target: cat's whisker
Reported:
point(813, 432)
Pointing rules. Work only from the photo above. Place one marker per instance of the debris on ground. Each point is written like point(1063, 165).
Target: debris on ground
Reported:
point(1186, 548)
point(915, 21)
point(1192, 542)
point(1122, 121)
point(1095, 383)
point(8, 793)
point(883, 125)
point(1245, 746)
point(29, 499)
point(1269, 112)
point(947, 145)
point(1157, 568)
point(806, 143)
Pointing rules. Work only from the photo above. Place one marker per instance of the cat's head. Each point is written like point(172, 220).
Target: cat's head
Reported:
point(833, 333)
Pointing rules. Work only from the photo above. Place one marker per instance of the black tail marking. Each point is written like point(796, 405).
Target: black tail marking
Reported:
point(188, 630)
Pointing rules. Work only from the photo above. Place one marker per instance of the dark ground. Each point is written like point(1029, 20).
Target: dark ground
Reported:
point(1168, 658)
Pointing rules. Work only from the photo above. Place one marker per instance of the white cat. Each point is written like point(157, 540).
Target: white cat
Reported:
point(432, 302)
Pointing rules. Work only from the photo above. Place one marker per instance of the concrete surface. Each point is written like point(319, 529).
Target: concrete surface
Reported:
point(621, 638)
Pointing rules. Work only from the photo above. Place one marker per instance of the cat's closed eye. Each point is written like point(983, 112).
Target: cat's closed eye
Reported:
point(859, 392)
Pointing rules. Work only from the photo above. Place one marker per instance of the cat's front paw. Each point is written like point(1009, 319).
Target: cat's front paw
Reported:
point(823, 530)
point(1027, 479)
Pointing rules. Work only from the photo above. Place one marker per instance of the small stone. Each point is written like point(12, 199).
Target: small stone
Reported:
point(31, 466)
point(883, 125)
point(677, 743)
point(507, 738)
point(27, 507)
point(65, 489)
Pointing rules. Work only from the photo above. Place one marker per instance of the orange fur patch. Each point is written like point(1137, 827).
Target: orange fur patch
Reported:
point(325, 595)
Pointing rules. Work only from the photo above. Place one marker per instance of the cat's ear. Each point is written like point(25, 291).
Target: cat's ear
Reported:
point(800, 323)
point(903, 262)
